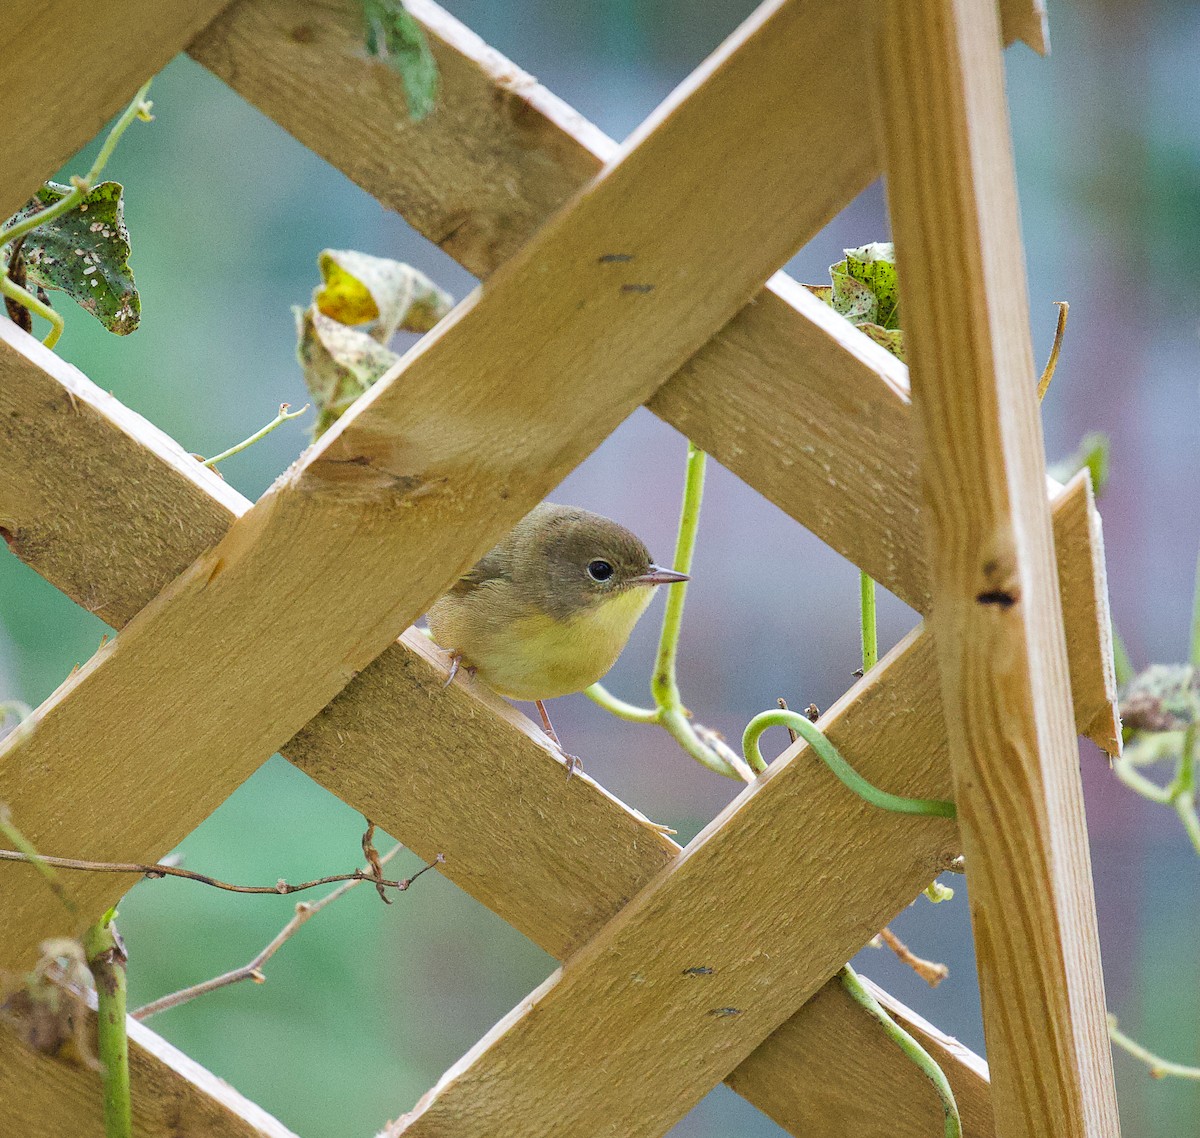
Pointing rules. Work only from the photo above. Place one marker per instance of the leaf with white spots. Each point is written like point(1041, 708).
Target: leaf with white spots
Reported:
point(339, 363)
point(85, 253)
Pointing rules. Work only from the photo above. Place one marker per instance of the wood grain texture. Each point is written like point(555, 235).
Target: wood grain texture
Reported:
point(996, 613)
point(172, 1095)
point(790, 877)
point(454, 771)
point(499, 155)
point(821, 1078)
point(76, 72)
point(817, 418)
point(807, 410)
point(468, 431)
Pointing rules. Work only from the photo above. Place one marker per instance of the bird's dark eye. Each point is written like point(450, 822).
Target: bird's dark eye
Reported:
point(599, 570)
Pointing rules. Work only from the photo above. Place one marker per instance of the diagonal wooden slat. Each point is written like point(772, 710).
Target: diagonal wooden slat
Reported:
point(791, 876)
point(500, 155)
point(502, 152)
point(471, 428)
point(455, 771)
point(172, 1095)
point(76, 71)
point(996, 612)
point(845, 1090)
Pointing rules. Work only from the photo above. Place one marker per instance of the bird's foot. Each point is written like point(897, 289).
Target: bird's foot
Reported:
point(574, 763)
point(455, 664)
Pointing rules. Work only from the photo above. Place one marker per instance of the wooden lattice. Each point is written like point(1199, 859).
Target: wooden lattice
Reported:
point(742, 165)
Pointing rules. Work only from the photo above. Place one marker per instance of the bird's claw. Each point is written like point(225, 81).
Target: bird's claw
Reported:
point(455, 664)
point(574, 763)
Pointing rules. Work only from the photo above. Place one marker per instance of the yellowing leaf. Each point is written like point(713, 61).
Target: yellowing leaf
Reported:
point(390, 295)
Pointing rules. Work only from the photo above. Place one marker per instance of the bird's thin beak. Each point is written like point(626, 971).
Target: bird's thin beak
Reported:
point(657, 575)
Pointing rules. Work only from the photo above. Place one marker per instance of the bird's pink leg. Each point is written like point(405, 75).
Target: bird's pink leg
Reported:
point(574, 762)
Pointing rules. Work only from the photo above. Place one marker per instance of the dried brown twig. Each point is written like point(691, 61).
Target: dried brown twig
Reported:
point(159, 869)
point(930, 971)
point(305, 911)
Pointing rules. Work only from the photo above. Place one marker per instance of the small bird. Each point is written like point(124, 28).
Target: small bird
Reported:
point(548, 610)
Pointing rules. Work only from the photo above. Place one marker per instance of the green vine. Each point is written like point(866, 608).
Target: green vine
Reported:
point(912, 1049)
point(22, 226)
point(702, 743)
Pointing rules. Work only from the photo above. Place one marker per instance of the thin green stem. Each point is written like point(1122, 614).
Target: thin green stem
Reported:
point(870, 629)
point(681, 729)
point(26, 299)
point(859, 993)
point(1185, 807)
point(663, 683)
point(703, 744)
point(106, 957)
point(81, 187)
point(1159, 1068)
point(842, 770)
point(601, 696)
point(1194, 648)
point(285, 413)
point(16, 709)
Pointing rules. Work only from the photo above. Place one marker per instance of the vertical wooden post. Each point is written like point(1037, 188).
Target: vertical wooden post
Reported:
point(996, 614)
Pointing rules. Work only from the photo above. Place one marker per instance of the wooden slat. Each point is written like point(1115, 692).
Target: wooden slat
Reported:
point(172, 1095)
point(791, 876)
point(996, 613)
point(76, 69)
point(444, 454)
point(1026, 20)
point(816, 417)
point(830, 1055)
point(501, 153)
point(458, 771)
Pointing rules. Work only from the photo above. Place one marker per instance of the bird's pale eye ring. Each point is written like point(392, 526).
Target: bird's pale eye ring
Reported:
point(599, 570)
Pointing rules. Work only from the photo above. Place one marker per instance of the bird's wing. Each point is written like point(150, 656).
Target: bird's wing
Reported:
point(491, 567)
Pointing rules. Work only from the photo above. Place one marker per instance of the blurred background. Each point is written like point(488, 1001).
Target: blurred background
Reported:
point(365, 1008)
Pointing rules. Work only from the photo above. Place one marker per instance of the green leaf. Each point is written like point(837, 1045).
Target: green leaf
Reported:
point(393, 34)
point(339, 363)
point(1092, 455)
point(853, 299)
point(875, 266)
point(388, 295)
point(85, 253)
point(865, 291)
